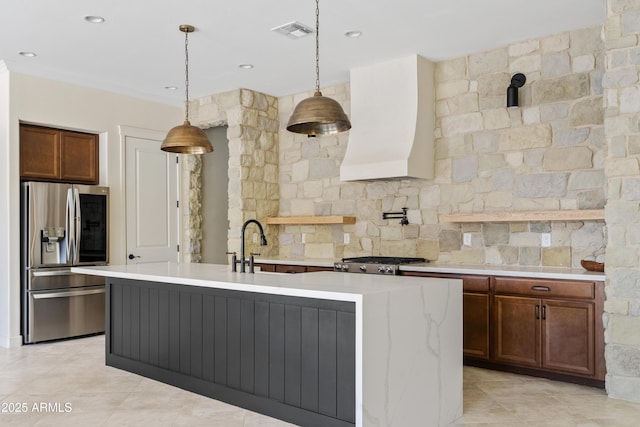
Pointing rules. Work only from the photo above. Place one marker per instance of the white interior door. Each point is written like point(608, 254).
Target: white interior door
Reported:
point(152, 201)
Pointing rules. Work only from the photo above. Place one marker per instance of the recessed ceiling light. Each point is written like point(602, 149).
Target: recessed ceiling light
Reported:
point(28, 54)
point(94, 19)
point(171, 87)
point(245, 66)
point(353, 34)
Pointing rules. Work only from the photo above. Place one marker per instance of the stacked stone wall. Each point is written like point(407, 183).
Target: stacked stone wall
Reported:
point(548, 154)
point(622, 212)
point(252, 120)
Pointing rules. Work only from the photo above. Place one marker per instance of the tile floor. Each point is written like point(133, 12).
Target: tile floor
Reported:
point(67, 384)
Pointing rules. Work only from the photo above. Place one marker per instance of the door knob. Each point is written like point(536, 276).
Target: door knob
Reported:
point(132, 256)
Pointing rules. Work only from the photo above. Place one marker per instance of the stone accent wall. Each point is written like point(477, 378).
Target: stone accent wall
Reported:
point(191, 185)
point(252, 120)
point(310, 183)
point(547, 155)
point(622, 130)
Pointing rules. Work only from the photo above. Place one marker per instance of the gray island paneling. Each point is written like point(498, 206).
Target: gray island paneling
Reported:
point(288, 357)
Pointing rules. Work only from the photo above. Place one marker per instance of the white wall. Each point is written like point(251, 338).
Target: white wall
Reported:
point(5, 247)
point(40, 101)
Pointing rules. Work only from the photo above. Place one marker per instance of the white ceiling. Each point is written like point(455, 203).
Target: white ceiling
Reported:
point(139, 49)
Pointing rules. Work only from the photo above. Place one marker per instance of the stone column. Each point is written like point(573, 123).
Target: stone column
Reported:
point(252, 120)
point(622, 212)
point(191, 167)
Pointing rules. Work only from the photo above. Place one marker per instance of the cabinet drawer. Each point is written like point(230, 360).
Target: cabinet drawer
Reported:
point(271, 268)
point(475, 283)
point(545, 288)
point(312, 268)
point(283, 268)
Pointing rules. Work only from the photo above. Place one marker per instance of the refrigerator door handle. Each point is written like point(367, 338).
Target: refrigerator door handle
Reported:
point(78, 226)
point(70, 225)
point(66, 294)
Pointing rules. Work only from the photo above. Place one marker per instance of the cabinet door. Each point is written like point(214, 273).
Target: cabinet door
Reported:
point(517, 330)
point(39, 153)
point(79, 157)
point(475, 325)
point(568, 331)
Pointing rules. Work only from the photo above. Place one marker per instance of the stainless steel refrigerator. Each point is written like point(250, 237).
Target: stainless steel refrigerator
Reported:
point(62, 225)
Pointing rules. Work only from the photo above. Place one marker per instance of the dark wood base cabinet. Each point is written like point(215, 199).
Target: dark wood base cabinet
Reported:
point(290, 268)
point(517, 331)
point(475, 320)
point(552, 334)
point(287, 357)
point(549, 324)
point(541, 327)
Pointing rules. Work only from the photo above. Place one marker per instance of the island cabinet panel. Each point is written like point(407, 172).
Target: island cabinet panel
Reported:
point(288, 357)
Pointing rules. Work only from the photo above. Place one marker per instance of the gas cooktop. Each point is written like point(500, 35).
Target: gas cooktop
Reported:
point(374, 264)
point(383, 260)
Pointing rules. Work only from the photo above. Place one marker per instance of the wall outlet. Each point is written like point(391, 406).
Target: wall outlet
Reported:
point(545, 240)
point(304, 237)
point(466, 239)
point(347, 238)
point(255, 238)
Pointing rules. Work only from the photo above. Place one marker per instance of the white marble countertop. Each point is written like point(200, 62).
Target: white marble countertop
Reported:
point(480, 269)
point(506, 270)
point(323, 285)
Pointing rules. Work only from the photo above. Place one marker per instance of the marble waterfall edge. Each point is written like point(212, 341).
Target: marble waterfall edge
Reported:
point(412, 374)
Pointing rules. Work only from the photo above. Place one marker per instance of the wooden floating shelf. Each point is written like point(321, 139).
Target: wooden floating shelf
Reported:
point(334, 219)
point(574, 215)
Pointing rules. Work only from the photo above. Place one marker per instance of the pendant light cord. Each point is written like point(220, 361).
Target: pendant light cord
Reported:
point(317, 45)
point(186, 75)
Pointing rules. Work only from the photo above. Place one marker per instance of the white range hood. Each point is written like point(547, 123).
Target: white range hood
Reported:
point(392, 118)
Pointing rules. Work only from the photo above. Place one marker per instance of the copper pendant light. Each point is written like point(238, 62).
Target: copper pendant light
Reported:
point(318, 115)
point(186, 139)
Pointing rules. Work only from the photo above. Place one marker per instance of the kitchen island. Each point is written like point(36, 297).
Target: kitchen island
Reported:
point(320, 349)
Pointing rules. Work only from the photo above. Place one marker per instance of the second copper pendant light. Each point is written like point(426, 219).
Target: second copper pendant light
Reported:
point(318, 115)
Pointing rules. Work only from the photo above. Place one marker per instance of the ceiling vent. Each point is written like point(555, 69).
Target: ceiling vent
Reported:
point(293, 30)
